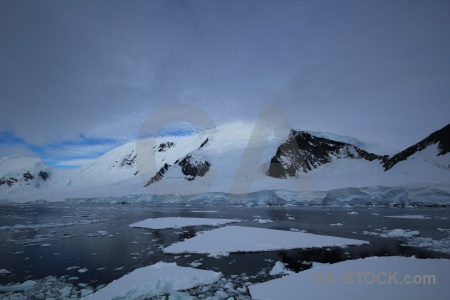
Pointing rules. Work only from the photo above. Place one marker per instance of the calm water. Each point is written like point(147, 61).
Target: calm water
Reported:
point(42, 240)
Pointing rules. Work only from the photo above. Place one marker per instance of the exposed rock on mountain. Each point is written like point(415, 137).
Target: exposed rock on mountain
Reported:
point(303, 152)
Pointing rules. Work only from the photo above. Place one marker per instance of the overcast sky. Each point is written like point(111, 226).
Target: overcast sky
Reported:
point(79, 77)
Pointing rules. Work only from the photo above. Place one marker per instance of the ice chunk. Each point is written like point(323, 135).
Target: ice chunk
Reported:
point(249, 239)
point(400, 233)
point(279, 269)
point(154, 280)
point(418, 217)
point(370, 278)
point(177, 222)
point(17, 287)
point(262, 221)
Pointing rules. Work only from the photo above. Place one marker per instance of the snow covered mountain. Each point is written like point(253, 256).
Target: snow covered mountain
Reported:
point(434, 149)
point(303, 152)
point(232, 160)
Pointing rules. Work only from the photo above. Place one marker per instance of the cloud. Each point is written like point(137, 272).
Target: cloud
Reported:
point(377, 70)
point(69, 163)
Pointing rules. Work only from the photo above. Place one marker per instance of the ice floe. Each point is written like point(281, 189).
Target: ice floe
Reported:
point(418, 217)
point(160, 278)
point(249, 239)
point(370, 278)
point(263, 221)
point(279, 269)
point(400, 233)
point(177, 222)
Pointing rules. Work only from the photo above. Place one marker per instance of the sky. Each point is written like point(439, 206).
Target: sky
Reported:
point(78, 78)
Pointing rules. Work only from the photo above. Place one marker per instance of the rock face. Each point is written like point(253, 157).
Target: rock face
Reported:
point(303, 152)
point(192, 167)
point(164, 146)
point(159, 175)
point(440, 137)
point(26, 178)
point(129, 160)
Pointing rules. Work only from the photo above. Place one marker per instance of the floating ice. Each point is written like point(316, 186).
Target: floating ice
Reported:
point(249, 239)
point(400, 233)
point(418, 217)
point(370, 278)
point(279, 269)
point(177, 222)
point(262, 221)
point(154, 280)
point(17, 287)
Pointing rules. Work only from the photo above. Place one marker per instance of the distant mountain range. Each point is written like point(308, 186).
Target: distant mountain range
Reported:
point(224, 161)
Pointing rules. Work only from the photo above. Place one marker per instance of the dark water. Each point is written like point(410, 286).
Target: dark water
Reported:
point(56, 237)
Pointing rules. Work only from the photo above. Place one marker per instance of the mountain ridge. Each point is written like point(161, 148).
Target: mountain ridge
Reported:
point(211, 162)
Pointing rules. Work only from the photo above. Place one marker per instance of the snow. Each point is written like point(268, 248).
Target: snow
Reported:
point(263, 221)
point(4, 271)
point(417, 217)
point(177, 222)
point(154, 280)
point(17, 287)
point(279, 269)
point(362, 279)
point(249, 239)
point(360, 143)
point(238, 167)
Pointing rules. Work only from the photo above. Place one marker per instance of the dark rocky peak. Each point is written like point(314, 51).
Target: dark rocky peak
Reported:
point(129, 159)
point(204, 143)
point(303, 152)
point(44, 175)
point(164, 146)
point(159, 175)
point(192, 167)
point(27, 176)
point(440, 137)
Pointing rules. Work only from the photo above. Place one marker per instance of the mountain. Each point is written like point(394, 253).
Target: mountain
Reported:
point(225, 161)
point(303, 152)
point(438, 143)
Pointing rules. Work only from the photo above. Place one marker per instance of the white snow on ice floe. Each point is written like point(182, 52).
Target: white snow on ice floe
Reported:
point(249, 239)
point(17, 287)
point(279, 269)
point(370, 278)
point(177, 222)
point(418, 217)
point(400, 233)
point(154, 280)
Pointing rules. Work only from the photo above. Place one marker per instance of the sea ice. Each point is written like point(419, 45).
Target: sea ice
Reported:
point(177, 222)
point(400, 233)
point(249, 239)
point(154, 280)
point(370, 278)
point(279, 269)
point(419, 217)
